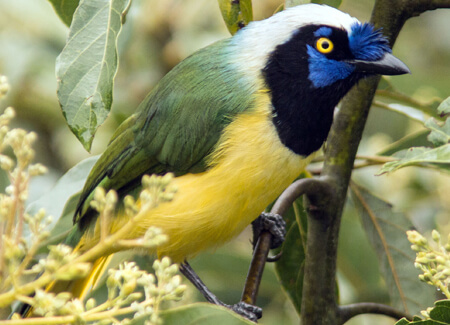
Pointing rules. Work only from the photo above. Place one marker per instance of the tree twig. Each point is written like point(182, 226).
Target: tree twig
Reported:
point(319, 299)
point(426, 108)
point(367, 161)
point(256, 269)
point(350, 311)
point(325, 202)
point(315, 188)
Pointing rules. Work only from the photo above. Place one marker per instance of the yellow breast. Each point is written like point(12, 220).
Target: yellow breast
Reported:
point(248, 170)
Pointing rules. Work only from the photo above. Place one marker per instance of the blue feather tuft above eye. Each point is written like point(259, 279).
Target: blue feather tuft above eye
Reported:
point(366, 43)
point(323, 32)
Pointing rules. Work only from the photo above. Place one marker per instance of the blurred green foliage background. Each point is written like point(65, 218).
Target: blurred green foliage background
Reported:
point(157, 35)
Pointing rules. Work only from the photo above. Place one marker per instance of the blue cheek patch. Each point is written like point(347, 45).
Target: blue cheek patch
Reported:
point(324, 72)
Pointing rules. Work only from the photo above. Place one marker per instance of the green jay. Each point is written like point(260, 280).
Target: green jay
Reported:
point(236, 123)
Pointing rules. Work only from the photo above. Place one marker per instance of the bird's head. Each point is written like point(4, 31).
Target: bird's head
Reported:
point(335, 54)
point(318, 45)
point(309, 57)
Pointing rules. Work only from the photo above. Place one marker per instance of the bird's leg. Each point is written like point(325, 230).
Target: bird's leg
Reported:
point(272, 223)
point(190, 274)
point(251, 312)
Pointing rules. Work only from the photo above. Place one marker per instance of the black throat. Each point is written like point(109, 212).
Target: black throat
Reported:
point(302, 113)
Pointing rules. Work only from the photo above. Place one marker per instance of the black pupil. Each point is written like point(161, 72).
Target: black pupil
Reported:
point(325, 45)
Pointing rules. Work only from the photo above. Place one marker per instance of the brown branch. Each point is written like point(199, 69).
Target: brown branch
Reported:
point(316, 189)
point(367, 161)
point(319, 295)
point(416, 7)
point(350, 311)
point(326, 196)
point(312, 186)
point(256, 270)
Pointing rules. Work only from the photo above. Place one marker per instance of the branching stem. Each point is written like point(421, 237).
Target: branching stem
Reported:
point(109, 245)
point(85, 316)
point(325, 203)
point(350, 311)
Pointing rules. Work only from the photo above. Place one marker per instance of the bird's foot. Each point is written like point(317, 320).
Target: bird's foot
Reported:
point(248, 311)
point(272, 223)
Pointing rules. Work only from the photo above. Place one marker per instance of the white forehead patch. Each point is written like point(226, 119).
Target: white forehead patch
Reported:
point(260, 38)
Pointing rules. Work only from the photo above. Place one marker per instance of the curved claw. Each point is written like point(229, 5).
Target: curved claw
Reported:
point(274, 258)
point(246, 310)
point(273, 223)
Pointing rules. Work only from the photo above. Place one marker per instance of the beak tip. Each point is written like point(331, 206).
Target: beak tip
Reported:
point(402, 67)
point(395, 66)
point(387, 65)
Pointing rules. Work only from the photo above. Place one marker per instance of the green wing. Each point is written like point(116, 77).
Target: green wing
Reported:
point(177, 125)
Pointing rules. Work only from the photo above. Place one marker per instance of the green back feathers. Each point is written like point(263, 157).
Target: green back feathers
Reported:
point(177, 125)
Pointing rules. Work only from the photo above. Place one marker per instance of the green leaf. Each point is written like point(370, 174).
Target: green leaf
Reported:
point(386, 229)
point(423, 156)
point(441, 311)
point(427, 157)
point(332, 3)
point(420, 156)
point(198, 314)
point(70, 183)
point(443, 303)
point(407, 105)
point(293, 3)
point(87, 65)
point(65, 9)
point(236, 14)
point(402, 321)
point(440, 132)
point(439, 315)
point(408, 111)
point(290, 267)
point(417, 139)
point(444, 107)
point(358, 264)
point(61, 201)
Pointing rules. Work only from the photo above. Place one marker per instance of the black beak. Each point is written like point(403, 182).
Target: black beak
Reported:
point(387, 65)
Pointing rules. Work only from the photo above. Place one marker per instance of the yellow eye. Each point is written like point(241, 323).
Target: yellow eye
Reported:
point(324, 45)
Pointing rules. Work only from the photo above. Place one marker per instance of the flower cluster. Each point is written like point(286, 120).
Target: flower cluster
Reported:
point(157, 189)
point(432, 260)
point(131, 291)
point(16, 155)
point(124, 296)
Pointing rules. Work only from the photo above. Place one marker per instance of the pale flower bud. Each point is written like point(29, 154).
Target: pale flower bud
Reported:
point(166, 179)
point(6, 163)
point(75, 271)
point(91, 303)
point(435, 235)
point(9, 113)
point(4, 86)
point(415, 238)
point(441, 260)
point(37, 169)
point(111, 197)
point(128, 287)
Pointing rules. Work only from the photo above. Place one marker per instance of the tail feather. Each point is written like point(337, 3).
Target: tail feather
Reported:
point(82, 287)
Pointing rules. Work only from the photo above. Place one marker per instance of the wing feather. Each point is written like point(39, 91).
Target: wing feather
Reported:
point(177, 125)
